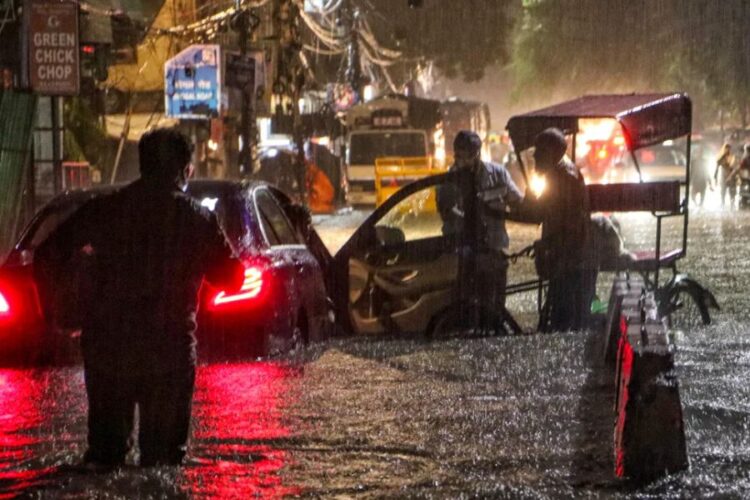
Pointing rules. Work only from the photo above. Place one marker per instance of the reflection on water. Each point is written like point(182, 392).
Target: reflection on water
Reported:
point(234, 449)
point(237, 429)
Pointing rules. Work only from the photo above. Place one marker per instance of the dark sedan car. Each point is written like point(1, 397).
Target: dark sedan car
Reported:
point(283, 301)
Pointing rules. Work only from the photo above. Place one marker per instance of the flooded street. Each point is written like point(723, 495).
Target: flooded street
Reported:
point(512, 417)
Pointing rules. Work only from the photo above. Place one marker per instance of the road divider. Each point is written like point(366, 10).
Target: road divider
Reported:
point(649, 434)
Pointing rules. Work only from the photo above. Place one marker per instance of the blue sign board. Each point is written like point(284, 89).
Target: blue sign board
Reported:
point(192, 86)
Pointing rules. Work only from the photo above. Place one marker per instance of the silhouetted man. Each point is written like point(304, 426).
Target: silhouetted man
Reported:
point(563, 211)
point(151, 247)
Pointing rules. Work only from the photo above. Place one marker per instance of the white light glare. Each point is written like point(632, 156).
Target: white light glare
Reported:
point(209, 203)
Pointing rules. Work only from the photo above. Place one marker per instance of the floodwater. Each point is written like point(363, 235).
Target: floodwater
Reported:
point(512, 417)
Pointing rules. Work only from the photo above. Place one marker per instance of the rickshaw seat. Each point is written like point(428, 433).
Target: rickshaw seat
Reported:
point(645, 260)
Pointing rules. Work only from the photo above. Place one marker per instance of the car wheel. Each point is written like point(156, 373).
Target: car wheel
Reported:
point(455, 322)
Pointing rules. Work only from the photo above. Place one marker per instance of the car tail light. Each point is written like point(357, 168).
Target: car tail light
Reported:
point(255, 282)
point(4, 306)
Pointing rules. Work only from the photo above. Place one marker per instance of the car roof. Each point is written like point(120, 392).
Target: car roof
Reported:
point(196, 187)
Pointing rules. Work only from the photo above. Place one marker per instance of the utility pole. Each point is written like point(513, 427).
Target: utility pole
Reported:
point(248, 94)
point(291, 45)
point(354, 67)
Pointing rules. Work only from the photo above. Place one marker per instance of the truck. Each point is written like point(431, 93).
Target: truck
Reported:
point(389, 126)
point(395, 127)
point(457, 114)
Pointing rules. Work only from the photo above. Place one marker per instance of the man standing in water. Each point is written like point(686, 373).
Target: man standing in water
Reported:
point(563, 210)
point(151, 247)
point(479, 209)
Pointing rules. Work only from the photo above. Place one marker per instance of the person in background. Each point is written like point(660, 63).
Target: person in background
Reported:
point(744, 175)
point(699, 179)
point(745, 162)
point(727, 174)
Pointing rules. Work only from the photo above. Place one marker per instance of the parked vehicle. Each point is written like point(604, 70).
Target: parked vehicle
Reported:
point(282, 303)
point(660, 162)
point(390, 126)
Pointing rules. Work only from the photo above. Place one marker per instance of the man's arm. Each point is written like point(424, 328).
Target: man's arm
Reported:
point(716, 170)
point(529, 210)
point(69, 237)
point(55, 255)
point(448, 204)
point(503, 193)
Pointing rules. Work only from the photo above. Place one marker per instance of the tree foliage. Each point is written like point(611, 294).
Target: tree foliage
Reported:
point(461, 38)
point(583, 46)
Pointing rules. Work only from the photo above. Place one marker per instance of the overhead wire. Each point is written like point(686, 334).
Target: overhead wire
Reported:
point(7, 16)
point(375, 60)
point(328, 38)
point(368, 35)
point(329, 8)
point(325, 52)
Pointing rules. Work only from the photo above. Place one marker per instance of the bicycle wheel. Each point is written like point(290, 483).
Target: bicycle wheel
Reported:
point(687, 310)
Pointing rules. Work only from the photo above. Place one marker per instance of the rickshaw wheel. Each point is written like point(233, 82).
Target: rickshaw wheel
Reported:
point(687, 310)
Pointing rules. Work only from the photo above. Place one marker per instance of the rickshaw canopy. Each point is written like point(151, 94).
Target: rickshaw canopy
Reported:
point(646, 119)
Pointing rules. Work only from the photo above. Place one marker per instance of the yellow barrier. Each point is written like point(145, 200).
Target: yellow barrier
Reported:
point(399, 171)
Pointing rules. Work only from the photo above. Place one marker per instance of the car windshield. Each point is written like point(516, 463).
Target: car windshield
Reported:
point(364, 148)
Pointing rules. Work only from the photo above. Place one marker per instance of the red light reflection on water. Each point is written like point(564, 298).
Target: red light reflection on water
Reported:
point(235, 450)
point(20, 416)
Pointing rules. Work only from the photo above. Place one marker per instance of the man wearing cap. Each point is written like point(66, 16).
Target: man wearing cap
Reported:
point(563, 210)
point(479, 208)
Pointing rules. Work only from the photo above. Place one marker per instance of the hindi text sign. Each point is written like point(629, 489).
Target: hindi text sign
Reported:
point(192, 83)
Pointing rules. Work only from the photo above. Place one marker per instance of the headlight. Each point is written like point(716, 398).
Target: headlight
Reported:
point(538, 184)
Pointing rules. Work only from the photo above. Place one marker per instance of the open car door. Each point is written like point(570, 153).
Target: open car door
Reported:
point(398, 271)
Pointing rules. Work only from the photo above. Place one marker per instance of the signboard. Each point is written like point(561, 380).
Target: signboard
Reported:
point(240, 71)
point(192, 84)
point(53, 48)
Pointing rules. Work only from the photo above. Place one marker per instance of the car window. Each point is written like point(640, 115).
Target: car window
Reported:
point(415, 217)
point(230, 214)
point(47, 222)
point(275, 225)
point(656, 156)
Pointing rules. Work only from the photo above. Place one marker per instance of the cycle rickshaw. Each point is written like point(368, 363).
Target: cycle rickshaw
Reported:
point(637, 123)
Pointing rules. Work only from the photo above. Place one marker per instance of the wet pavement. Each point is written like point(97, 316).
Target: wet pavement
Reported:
point(512, 417)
